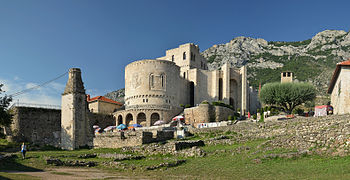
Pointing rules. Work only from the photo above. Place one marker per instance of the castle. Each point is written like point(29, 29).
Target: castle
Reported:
point(155, 88)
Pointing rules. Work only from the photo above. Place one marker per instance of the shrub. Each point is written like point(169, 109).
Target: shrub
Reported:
point(254, 116)
point(230, 117)
point(298, 111)
point(219, 103)
point(205, 102)
point(187, 106)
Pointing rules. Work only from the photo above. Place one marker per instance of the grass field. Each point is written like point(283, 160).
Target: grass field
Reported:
point(221, 162)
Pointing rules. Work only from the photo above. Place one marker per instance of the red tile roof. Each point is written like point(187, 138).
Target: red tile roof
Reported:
point(102, 98)
point(336, 74)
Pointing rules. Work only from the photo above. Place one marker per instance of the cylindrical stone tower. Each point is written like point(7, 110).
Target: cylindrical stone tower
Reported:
point(151, 84)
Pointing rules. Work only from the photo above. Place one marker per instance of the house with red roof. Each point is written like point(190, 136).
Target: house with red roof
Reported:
point(339, 88)
point(101, 104)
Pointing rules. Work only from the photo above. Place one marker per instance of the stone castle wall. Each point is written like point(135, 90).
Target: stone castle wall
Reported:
point(36, 125)
point(43, 126)
point(205, 113)
point(153, 82)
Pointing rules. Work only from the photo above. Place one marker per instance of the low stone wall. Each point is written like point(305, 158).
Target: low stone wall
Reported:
point(187, 144)
point(205, 113)
point(129, 138)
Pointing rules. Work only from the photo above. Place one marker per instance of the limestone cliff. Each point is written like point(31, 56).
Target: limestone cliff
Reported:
point(312, 60)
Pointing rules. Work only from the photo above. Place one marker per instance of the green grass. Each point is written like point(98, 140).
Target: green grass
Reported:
point(223, 161)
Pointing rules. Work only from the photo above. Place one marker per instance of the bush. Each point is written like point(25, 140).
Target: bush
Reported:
point(219, 103)
point(187, 106)
point(265, 108)
point(230, 117)
point(254, 116)
point(298, 111)
point(205, 102)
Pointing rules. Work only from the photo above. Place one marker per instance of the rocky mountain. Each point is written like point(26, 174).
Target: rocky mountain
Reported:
point(312, 60)
point(117, 95)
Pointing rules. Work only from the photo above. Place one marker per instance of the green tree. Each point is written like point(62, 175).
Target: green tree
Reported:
point(5, 116)
point(287, 95)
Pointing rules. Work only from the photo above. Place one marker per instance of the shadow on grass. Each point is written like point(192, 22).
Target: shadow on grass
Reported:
point(10, 165)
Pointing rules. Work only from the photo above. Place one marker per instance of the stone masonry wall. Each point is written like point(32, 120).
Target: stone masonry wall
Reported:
point(36, 125)
point(102, 120)
point(205, 113)
point(129, 138)
point(328, 135)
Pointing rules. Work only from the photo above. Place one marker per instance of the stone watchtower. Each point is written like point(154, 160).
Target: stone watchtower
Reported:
point(74, 118)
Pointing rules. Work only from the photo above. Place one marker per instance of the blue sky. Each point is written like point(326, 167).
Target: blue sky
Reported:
point(41, 39)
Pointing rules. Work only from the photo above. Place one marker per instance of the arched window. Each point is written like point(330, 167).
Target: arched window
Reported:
point(194, 57)
point(185, 75)
point(184, 55)
point(172, 58)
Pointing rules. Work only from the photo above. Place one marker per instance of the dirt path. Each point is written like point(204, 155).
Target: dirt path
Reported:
point(72, 173)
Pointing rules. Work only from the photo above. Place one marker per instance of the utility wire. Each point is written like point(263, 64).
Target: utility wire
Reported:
point(38, 86)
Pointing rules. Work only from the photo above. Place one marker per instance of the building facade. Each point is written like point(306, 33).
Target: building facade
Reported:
point(155, 89)
point(339, 88)
point(103, 105)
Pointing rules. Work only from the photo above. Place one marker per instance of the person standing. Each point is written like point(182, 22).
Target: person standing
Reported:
point(23, 150)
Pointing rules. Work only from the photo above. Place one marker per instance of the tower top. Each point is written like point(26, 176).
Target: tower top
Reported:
point(74, 83)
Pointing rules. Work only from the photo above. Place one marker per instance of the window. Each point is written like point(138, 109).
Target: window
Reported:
point(151, 80)
point(284, 74)
point(194, 57)
point(184, 74)
point(162, 79)
point(172, 58)
point(184, 55)
point(288, 75)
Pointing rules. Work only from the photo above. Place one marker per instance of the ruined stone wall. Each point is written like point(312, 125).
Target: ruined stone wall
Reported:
point(129, 138)
point(36, 125)
point(205, 113)
point(340, 97)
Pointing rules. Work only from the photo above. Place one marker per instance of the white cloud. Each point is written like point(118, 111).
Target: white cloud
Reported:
point(49, 94)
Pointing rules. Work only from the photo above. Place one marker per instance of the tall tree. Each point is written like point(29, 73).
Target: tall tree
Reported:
point(5, 116)
point(287, 95)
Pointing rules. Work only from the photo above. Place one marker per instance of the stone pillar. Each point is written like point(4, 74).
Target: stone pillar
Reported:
point(74, 113)
point(226, 83)
point(244, 90)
